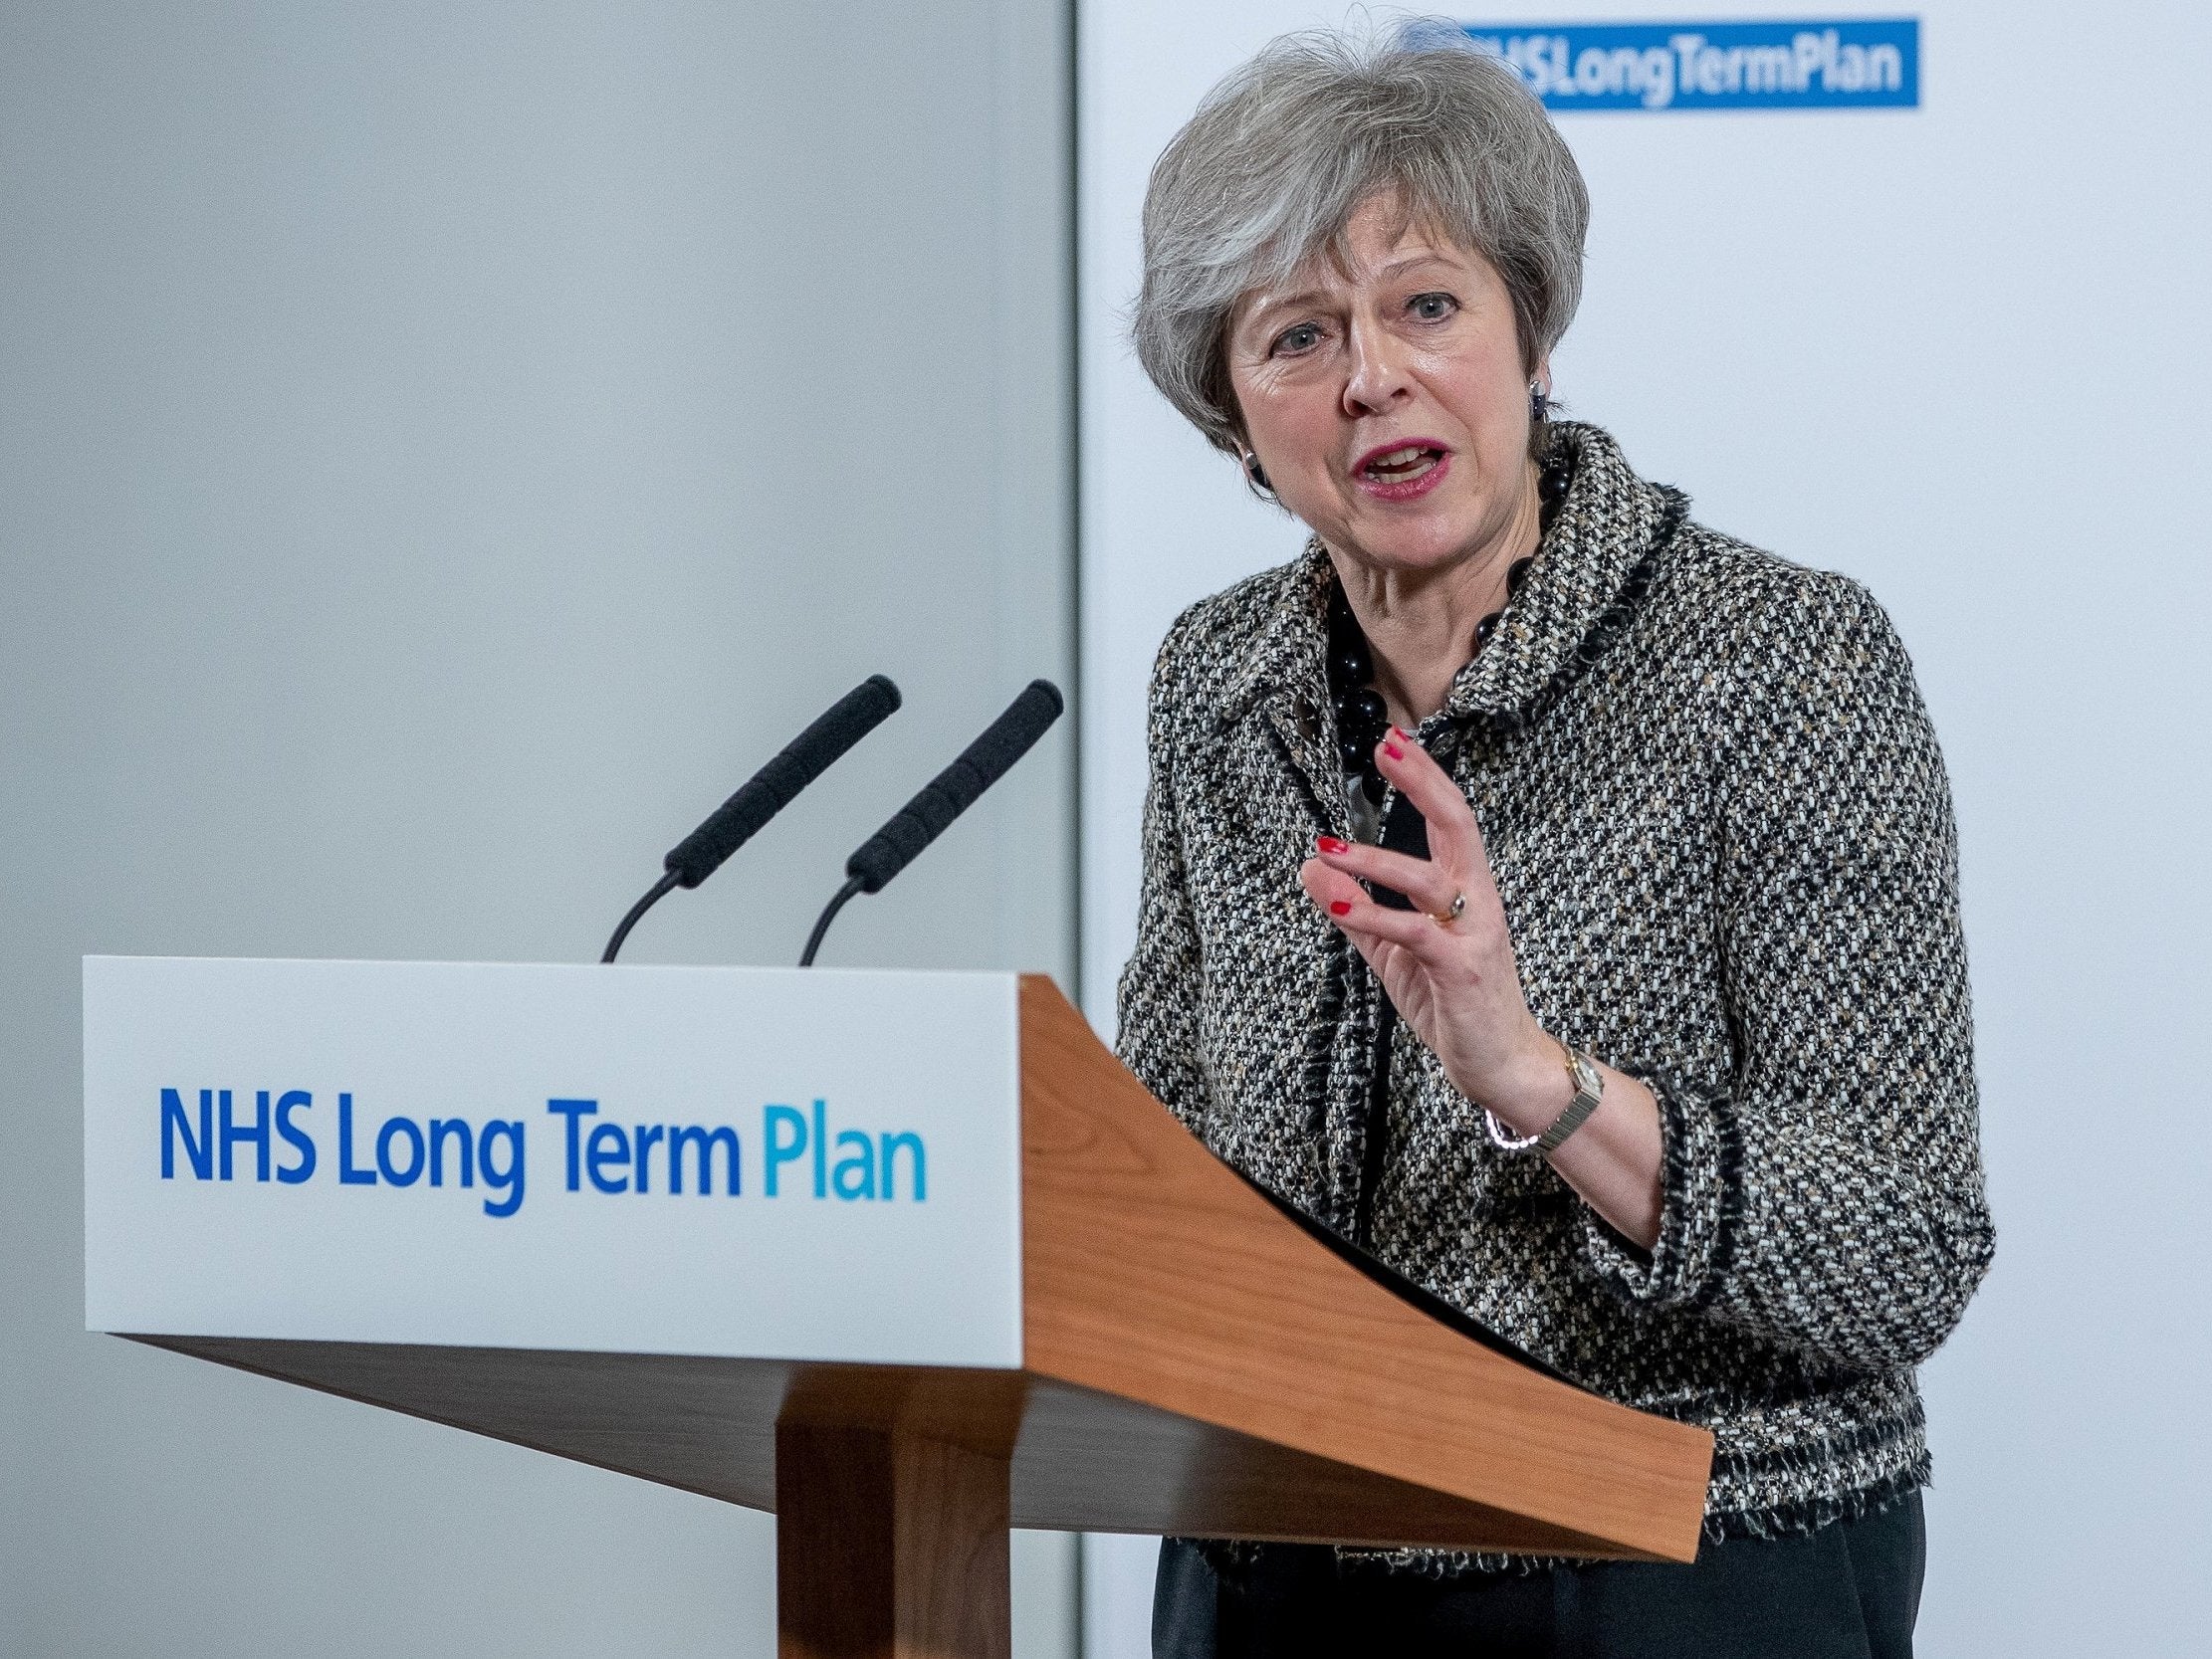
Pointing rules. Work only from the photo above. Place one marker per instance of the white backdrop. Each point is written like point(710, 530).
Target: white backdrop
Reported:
point(1958, 351)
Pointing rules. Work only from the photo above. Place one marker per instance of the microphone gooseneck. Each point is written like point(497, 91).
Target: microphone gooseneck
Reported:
point(822, 922)
point(945, 797)
point(653, 896)
point(766, 793)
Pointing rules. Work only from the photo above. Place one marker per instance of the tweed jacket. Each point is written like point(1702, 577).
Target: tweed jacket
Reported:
point(1722, 833)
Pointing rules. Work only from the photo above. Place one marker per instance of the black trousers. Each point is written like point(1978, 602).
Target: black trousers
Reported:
point(1851, 1591)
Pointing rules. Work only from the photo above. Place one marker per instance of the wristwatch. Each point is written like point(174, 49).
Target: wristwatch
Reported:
point(1589, 1086)
point(1589, 1089)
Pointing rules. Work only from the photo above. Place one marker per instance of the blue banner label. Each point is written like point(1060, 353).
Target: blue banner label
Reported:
point(1847, 63)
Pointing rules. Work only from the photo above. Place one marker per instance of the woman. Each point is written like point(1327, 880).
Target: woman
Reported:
point(1554, 896)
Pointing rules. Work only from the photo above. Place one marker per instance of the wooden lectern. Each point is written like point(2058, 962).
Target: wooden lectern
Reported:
point(1193, 1361)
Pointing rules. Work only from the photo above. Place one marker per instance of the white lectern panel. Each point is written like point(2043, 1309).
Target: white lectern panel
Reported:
point(817, 1165)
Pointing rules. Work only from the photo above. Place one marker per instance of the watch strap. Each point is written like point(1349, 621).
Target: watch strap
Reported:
point(1589, 1090)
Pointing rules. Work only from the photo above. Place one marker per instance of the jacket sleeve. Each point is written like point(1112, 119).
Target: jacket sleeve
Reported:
point(1156, 1014)
point(1829, 1196)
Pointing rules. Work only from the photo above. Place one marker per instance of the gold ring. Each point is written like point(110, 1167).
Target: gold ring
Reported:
point(1458, 908)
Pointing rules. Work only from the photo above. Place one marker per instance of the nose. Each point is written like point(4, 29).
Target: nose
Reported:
point(1380, 377)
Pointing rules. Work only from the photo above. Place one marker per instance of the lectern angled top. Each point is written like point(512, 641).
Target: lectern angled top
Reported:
point(719, 1228)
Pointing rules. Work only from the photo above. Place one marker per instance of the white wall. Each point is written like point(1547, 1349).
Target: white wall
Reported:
point(1961, 352)
point(444, 447)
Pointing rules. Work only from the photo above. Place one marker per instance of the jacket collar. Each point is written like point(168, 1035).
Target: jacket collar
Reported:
point(1611, 522)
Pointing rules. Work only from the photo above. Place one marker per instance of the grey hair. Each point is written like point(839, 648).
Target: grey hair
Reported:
point(1270, 169)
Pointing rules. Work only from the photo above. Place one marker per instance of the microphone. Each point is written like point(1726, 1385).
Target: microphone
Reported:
point(945, 797)
point(777, 785)
point(766, 793)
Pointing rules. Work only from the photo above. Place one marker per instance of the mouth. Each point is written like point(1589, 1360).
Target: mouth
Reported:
point(1397, 472)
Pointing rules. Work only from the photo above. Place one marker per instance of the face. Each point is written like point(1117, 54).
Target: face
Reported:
point(1387, 400)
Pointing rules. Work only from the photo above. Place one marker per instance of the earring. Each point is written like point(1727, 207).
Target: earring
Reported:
point(1538, 404)
point(1253, 471)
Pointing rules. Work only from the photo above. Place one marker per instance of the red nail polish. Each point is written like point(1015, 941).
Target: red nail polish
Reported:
point(1401, 733)
point(1330, 844)
point(1393, 752)
point(1340, 906)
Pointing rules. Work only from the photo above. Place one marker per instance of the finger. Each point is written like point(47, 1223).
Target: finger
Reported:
point(1327, 886)
point(1367, 924)
point(1426, 885)
point(1455, 838)
point(1370, 925)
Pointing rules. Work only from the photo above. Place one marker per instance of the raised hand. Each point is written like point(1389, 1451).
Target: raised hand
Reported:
point(1452, 976)
point(1448, 964)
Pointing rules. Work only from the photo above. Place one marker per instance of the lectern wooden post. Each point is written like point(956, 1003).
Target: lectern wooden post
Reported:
point(1190, 1360)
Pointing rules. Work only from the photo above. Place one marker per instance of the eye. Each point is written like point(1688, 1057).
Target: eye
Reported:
point(1432, 307)
point(1303, 336)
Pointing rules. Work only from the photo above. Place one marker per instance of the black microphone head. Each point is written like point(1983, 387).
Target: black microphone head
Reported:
point(953, 790)
point(1027, 718)
point(772, 789)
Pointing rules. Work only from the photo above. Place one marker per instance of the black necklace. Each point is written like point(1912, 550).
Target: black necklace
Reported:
point(1361, 716)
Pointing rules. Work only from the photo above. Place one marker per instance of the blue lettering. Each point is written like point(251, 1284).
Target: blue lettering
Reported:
point(856, 1172)
point(348, 1176)
point(706, 1141)
point(510, 1179)
point(821, 1148)
point(891, 1146)
point(291, 1101)
point(258, 1134)
point(199, 1150)
point(780, 1150)
point(608, 1147)
point(576, 1112)
point(1861, 63)
point(393, 1129)
point(647, 1136)
point(456, 1128)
